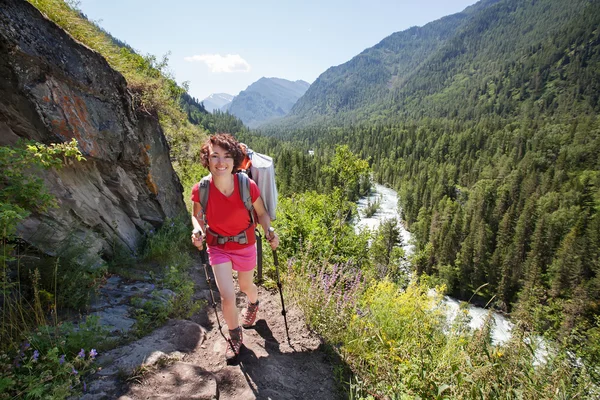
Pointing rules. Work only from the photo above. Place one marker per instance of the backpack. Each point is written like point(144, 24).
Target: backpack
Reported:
point(261, 169)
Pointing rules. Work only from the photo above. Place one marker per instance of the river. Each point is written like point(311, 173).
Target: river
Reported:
point(388, 208)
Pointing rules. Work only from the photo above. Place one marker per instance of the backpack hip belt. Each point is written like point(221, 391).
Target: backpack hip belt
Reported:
point(240, 238)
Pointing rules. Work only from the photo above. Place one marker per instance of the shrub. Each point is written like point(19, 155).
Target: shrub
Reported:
point(371, 208)
point(22, 192)
point(170, 244)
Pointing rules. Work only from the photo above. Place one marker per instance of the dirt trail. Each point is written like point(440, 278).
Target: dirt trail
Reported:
point(268, 367)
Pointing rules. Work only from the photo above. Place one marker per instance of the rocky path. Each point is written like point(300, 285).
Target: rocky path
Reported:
point(186, 359)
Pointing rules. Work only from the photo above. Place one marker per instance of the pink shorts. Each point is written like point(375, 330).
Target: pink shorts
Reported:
point(241, 260)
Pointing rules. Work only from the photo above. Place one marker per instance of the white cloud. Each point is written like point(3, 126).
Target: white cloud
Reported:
point(219, 63)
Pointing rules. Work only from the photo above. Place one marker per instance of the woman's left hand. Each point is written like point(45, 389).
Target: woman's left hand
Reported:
point(273, 240)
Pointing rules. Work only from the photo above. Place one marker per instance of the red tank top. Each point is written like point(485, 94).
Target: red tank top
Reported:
point(227, 216)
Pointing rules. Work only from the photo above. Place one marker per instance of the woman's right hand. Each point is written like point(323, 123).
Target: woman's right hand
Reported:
point(198, 240)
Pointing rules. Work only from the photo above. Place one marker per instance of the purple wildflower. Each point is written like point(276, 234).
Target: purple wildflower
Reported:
point(93, 353)
point(61, 360)
point(84, 387)
point(74, 371)
point(325, 281)
point(339, 304)
point(81, 354)
point(36, 355)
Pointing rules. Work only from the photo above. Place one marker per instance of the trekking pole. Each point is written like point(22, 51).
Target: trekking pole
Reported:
point(212, 295)
point(276, 262)
point(259, 257)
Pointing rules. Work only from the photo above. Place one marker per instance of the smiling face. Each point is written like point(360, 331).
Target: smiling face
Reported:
point(221, 144)
point(220, 161)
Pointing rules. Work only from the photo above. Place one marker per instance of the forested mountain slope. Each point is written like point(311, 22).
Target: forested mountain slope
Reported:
point(371, 76)
point(490, 58)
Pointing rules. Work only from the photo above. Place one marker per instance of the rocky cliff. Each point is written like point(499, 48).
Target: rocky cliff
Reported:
point(53, 89)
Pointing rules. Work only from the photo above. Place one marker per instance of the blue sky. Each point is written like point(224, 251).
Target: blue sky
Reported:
point(222, 46)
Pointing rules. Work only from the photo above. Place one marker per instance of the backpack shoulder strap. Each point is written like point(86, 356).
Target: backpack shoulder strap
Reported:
point(244, 187)
point(203, 188)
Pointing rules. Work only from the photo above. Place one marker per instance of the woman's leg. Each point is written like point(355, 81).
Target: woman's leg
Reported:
point(246, 281)
point(224, 278)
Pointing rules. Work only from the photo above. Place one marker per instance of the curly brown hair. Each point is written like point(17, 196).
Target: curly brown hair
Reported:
point(227, 143)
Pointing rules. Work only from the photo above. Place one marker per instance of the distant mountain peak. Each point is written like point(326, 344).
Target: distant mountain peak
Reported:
point(217, 101)
point(267, 99)
point(221, 96)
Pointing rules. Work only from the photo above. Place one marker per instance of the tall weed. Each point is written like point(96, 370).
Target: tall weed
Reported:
point(399, 344)
point(328, 297)
point(398, 341)
point(170, 245)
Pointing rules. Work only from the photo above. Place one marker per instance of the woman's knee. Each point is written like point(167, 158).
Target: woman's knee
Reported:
point(247, 286)
point(227, 298)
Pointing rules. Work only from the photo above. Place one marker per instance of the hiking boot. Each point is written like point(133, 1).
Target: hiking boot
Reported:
point(250, 314)
point(234, 343)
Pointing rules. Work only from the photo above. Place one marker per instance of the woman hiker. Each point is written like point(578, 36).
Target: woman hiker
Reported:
point(226, 227)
